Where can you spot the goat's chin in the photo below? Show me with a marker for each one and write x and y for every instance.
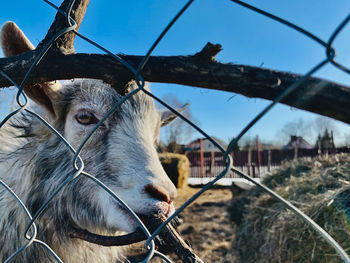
(118, 224)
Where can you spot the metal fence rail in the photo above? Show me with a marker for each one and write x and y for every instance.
(78, 163)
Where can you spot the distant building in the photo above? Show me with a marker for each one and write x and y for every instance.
(297, 142)
(325, 142)
(208, 146)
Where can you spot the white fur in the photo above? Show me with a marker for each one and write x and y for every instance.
(130, 155)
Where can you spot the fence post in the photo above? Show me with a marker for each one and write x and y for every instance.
(258, 153)
(249, 161)
(202, 157)
(233, 162)
(212, 163)
(295, 151)
(269, 160)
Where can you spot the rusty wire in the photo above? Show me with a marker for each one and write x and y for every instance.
(78, 164)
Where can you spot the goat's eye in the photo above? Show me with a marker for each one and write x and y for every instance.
(86, 118)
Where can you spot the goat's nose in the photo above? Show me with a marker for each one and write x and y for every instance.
(157, 193)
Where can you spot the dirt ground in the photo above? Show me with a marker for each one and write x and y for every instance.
(206, 225)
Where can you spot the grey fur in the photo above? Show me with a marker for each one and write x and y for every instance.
(34, 162)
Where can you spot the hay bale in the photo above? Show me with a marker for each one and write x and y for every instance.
(177, 167)
(268, 232)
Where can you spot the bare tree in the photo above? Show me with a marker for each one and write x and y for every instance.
(3, 98)
(298, 127)
(7, 102)
(347, 139)
(322, 123)
(247, 143)
(178, 131)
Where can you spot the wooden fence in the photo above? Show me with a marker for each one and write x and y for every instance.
(254, 163)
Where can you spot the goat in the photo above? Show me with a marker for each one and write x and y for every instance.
(34, 162)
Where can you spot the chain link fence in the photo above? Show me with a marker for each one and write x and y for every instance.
(31, 233)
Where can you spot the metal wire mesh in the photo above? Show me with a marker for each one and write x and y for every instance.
(78, 162)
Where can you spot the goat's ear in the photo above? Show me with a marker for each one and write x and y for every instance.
(14, 42)
(168, 116)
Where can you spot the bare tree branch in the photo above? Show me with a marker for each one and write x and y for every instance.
(316, 95)
(200, 70)
(180, 247)
(123, 240)
(168, 234)
(65, 43)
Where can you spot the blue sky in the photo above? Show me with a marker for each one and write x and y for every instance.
(130, 27)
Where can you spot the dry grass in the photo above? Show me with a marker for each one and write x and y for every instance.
(267, 232)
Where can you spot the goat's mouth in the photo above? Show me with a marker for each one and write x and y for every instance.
(137, 236)
(168, 234)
